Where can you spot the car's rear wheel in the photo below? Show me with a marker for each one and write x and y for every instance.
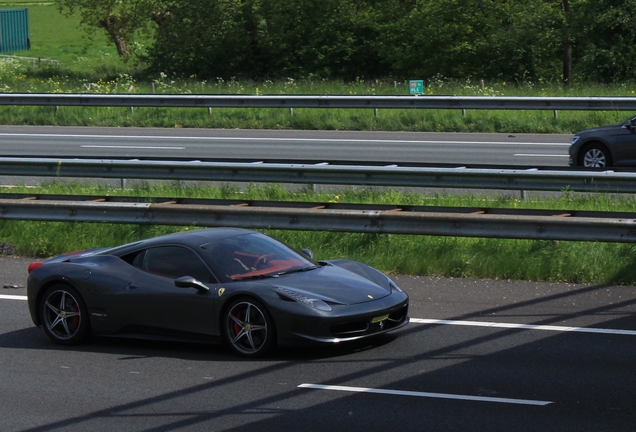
(63, 315)
(595, 156)
(249, 328)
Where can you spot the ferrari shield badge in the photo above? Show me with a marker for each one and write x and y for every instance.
(221, 291)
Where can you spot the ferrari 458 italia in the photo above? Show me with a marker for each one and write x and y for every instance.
(227, 285)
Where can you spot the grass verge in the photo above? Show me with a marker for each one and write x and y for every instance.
(556, 261)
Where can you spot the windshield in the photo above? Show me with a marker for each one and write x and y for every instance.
(252, 255)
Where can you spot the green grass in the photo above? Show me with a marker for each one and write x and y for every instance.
(316, 119)
(54, 36)
(556, 261)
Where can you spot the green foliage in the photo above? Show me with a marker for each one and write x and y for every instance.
(206, 39)
(505, 40)
(121, 20)
(606, 48)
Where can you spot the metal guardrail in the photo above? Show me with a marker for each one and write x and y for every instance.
(362, 218)
(325, 173)
(321, 101)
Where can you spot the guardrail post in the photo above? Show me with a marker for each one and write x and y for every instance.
(556, 114)
(375, 113)
(291, 111)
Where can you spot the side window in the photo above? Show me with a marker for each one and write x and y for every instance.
(172, 262)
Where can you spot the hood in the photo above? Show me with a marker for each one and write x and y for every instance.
(334, 285)
(600, 129)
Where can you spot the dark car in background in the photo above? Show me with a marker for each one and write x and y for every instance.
(605, 146)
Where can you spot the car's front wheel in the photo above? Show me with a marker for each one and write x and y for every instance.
(249, 328)
(595, 156)
(63, 315)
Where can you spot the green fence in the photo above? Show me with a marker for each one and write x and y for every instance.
(14, 30)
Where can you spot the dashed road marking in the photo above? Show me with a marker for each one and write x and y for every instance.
(12, 297)
(425, 394)
(524, 326)
(133, 147)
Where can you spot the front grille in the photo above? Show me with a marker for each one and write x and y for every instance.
(349, 329)
(366, 327)
(399, 316)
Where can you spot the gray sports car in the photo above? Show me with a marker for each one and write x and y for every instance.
(212, 285)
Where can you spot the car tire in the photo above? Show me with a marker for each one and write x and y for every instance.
(595, 156)
(64, 315)
(248, 327)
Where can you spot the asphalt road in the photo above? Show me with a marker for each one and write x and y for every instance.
(569, 368)
(395, 147)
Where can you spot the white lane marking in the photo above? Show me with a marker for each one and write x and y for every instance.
(12, 297)
(540, 155)
(133, 147)
(524, 326)
(425, 394)
(334, 140)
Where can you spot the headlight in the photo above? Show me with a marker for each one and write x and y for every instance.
(575, 138)
(393, 285)
(297, 297)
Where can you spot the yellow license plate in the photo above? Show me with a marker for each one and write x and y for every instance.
(380, 318)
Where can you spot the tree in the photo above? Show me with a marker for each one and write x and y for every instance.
(606, 46)
(518, 40)
(324, 38)
(513, 40)
(207, 39)
(121, 20)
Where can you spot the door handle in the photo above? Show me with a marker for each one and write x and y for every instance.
(131, 286)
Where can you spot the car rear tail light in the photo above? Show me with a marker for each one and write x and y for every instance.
(34, 265)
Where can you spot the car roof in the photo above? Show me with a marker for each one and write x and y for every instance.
(191, 238)
(197, 237)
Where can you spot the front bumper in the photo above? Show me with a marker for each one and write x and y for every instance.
(371, 332)
(298, 324)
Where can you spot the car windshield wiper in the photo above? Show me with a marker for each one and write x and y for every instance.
(296, 270)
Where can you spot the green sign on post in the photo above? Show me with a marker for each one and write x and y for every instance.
(416, 87)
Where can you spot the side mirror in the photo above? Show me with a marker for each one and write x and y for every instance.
(308, 252)
(631, 123)
(190, 282)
